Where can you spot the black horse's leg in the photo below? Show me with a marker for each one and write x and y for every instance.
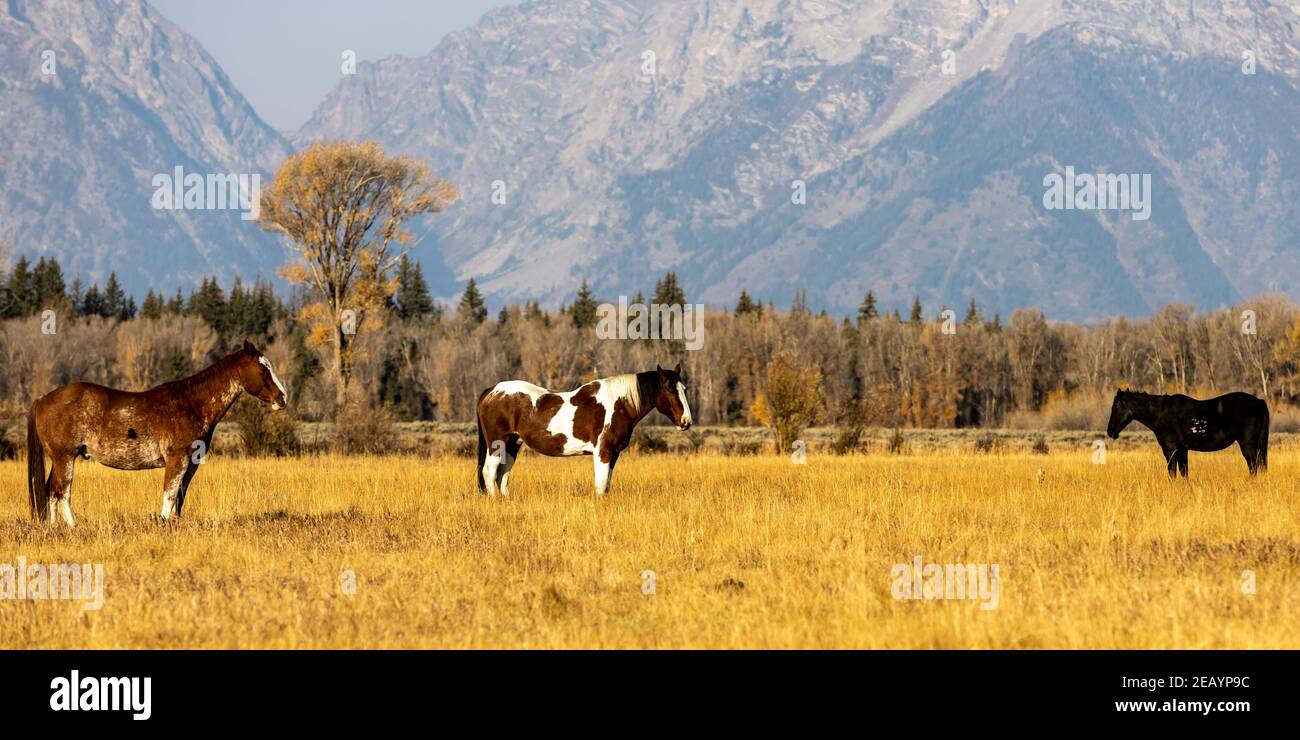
(1249, 451)
(1171, 457)
(1182, 461)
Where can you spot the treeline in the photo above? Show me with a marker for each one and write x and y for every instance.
(928, 368)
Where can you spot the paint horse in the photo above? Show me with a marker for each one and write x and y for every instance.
(595, 419)
(1182, 423)
(168, 427)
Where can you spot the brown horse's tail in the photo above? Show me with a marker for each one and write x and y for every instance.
(37, 492)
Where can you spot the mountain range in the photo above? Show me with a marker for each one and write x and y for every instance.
(826, 146)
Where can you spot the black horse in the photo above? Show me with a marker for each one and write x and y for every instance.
(1182, 423)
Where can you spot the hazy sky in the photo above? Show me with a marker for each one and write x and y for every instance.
(285, 55)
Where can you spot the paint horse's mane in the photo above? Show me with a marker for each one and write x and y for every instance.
(637, 388)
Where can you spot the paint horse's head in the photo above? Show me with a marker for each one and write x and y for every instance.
(1121, 413)
(258, 378)
(671, 397)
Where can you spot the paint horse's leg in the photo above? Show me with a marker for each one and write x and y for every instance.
(603, 459)
(511, 455)
(496, 452)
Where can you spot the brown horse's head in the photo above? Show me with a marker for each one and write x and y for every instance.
(259, 379)
(671, 398)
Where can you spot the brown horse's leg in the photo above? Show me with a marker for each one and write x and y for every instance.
(65, 491)
(186, 477)
(174, 473)
(57, 486)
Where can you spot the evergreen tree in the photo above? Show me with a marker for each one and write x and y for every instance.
(176, 306)
(152, 308)
(92, 303)
(48, 279)
(745, 304)
(472, 311)
(668, 292)
(916, 316)
(75, 294)
(972, 314)
(583, 310)
(114, 299)
(868, 311)
(21, 290)
(412, 301)
(209, 303)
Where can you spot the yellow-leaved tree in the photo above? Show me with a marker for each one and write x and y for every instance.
(342, 206)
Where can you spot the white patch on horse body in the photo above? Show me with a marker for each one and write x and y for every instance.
(275, 378)
(1200, 426)
(562, 424)
(508, 387)
(686, 407)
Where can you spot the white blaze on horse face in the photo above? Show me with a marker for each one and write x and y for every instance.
(686, 407)
(276, 379)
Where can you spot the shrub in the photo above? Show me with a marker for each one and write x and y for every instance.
(643, 441)
(897, 443)
(8, 448)
(791, 398)
(365, 429)
(1040, 445)
(266, 433)
(987, 443)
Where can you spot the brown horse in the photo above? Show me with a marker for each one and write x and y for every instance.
(595, 419)
(169, 427)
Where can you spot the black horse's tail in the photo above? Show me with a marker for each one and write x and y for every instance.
(1261, 443)
(482, 442)
(37, 492)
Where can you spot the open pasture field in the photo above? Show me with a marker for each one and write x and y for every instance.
(749, 551)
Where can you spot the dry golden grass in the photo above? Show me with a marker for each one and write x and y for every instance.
(747, 552)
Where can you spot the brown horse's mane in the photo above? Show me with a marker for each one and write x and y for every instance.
(207, 374)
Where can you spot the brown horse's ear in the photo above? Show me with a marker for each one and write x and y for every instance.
(249, 345)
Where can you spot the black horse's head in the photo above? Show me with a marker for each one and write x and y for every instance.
(1121, 413)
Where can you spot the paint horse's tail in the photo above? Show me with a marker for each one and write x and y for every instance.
(37, 492)
(482, 442)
